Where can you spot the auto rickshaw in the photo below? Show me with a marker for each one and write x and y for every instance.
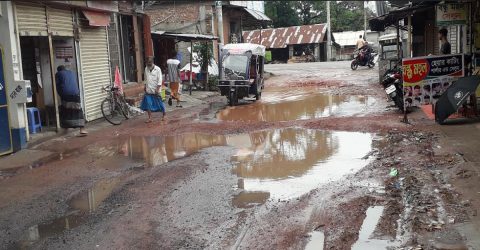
(241, 71)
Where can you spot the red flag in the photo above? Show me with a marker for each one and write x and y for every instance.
(118, 80)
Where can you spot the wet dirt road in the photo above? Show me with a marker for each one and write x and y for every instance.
(307, 167)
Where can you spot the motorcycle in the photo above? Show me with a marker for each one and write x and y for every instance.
(363, 57)
(393, 86)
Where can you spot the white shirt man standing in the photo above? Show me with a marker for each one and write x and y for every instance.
(152, 102)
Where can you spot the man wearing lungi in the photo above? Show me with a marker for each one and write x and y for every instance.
(152, 101)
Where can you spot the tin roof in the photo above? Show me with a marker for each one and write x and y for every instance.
(281, 37)
(241, 48)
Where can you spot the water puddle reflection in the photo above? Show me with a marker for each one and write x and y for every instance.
(80, 207)
(89, 200)
(365, 240)
(286, 105)
(155, 151)
(267, 161)
(250, 199)
(299, 159)
(317, 239)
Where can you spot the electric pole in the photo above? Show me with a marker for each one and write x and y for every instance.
(365, 20)
(329, 30)
(218, 9)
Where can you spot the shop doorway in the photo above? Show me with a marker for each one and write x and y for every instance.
(37, 67)
(128, 48)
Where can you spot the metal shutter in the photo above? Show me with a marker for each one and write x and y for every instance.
(60, 21)
(95, 68)
(31, 19)
(37, 20)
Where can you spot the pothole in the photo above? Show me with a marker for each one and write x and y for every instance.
(297, 104)
(366, 235)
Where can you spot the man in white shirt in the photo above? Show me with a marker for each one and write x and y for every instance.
(152, 102)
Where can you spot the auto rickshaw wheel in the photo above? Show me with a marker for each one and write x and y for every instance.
(258, 96)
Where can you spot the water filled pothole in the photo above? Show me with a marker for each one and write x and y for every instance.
(317, 239)
(365, 240)
(80, 207)
(268, 160)
(250, 199)
(299, 159)
(271, 164)
(297, 104)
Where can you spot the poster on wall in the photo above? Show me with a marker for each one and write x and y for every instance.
(451, 14)
(426, 78)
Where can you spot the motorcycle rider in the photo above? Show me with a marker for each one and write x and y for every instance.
(365, 53)
(360, 42)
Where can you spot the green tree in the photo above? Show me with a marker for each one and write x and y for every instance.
(345, 15)
(282, 13)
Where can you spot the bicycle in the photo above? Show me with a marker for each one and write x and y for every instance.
(114, 107)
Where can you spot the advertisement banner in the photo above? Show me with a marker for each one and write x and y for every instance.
(426, 78)
(451, 14)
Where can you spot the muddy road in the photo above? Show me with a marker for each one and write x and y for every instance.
(321, 162)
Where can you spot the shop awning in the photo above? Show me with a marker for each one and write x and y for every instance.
(184, 37)
(97, 19)
(251, 18)
(258, 15)
(392, 18)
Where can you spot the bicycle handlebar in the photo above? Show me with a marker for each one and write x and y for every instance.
(110, 88)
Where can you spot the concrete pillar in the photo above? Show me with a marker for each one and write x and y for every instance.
(290, 51)
(12, 62)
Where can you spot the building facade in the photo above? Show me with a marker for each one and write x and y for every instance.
(200, 17)
(37, 37)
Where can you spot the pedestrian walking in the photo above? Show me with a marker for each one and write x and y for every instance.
(152, 102)
(71, 113)
(173, 67)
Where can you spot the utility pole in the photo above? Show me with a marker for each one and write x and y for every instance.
(365, 20)
(329, 37)
(218, 9)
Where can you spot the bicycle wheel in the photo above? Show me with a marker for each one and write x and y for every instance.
(123, 107)
(111, 111)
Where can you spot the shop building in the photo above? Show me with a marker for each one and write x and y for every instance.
(200, 17)
(37, 37)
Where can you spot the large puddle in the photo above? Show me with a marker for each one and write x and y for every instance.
(297, 104)
(265, 161)
(271, 164)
